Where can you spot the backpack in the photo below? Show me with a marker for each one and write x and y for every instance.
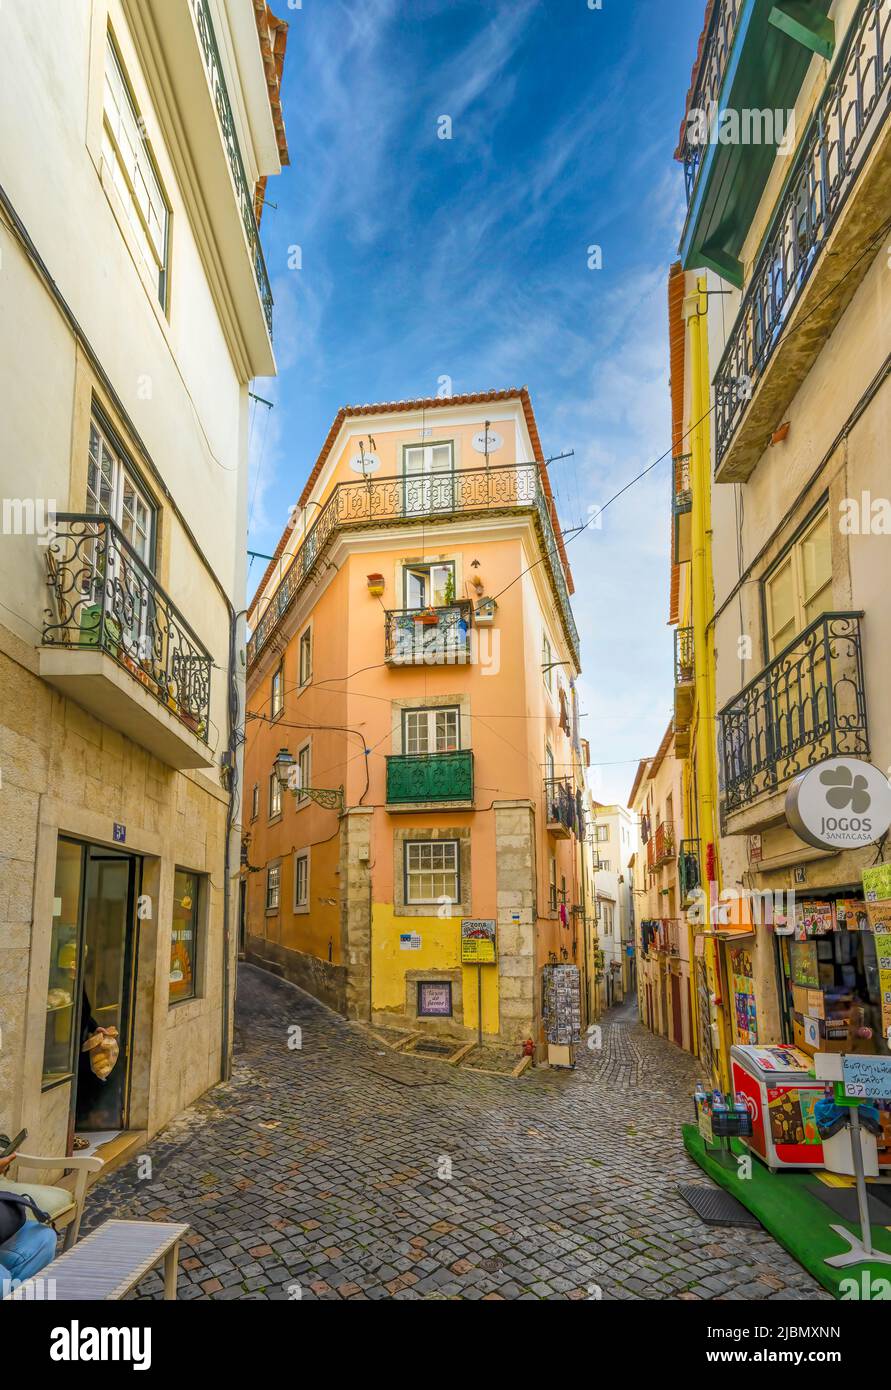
(14, 1207)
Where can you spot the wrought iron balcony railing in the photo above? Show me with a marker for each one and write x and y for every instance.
(419, 777)
(684, 664)
(429, 637)
(808, 704)
(391, 501)
(564, 810)
(664, 843)
(710, 80)
(838, 139)
(689, 873)
(104, 598)
(211, 55)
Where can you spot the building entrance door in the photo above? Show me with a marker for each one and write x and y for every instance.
(102, 965)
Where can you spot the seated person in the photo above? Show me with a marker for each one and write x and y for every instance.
(25, 1253)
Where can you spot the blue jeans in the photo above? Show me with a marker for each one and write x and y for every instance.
(27, 1252)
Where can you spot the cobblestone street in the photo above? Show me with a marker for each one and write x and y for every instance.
(323, 1173)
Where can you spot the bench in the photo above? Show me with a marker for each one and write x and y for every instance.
(109, 1262)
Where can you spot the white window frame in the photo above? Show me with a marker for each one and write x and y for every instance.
(277, 692)
(603, 834)
(432, 714)
(301, 856)
(132, 169)
(420, 493)
(547, 657)
(273, 887)
(304, 649)
(408, 870)
(122, 477)
(303, 766)
(255, 801)
(793, 563)
(275, 796)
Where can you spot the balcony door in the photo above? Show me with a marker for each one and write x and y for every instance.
(797, 592)
(122, 575)
(428, 484)
(429, 586)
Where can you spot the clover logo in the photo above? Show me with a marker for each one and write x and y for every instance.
(846, 790)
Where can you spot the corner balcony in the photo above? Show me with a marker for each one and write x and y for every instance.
(467, 493)
(822, 239)
(115, 643)
(808, 704)
(562, 812)
(430, 781)
(429, 636)
(754, 59)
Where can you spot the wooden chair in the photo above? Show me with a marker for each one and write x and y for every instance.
(65, 1205)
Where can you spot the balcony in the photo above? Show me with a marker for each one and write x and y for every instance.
(689, 870)
(116, 644)
(562, 810)
(390, 502)
(754, 60)
(682, 512)
(429, 637)
(684, 689)
(429, 780)
(816, 250)
(808, 704)
(661, 847)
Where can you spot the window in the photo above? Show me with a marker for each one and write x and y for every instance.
(602, 866)
(65, 952)
(547, 657)
(184, 938)
(301, 881)
(113, 491)
(800, 587)
(126, 152)
(304, 776)
(305, 672)
(273, 882)
(429, 586)
(603, 834)
(255, 801)
(549, 763)
(428, 484)
(275, 797)
(277, 695)
(552, 883)
(431, 730)
(431, 871)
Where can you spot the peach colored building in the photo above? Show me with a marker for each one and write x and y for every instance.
(413, 659)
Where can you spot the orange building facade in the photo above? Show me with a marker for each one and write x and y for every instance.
(412, 675)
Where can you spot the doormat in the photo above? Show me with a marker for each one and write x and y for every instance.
(716, 1208)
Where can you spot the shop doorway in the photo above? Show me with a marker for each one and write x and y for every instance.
(92, 983)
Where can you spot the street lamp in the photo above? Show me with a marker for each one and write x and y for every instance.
(282, 766)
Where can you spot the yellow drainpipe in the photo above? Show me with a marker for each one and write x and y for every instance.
(704, 723)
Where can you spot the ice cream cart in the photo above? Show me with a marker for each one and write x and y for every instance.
(780, 1094)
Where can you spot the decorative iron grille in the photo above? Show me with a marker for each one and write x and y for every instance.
(430, 777)
(808, 704)
(709, 81)
(104, 597)
(428, 637)
(211, 55)
(684, 662)
(391, 500)
(562, 805)
(689, 875)
(840, 134)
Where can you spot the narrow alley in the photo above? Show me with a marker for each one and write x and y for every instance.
(341, 1170)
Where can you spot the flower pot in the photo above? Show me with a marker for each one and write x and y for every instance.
(427, 619)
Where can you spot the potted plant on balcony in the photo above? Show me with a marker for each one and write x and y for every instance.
(427, 617)
(376, 584)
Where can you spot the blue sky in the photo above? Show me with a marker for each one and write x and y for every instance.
(467, 257)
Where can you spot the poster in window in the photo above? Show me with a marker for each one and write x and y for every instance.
(183, 937)
(743, 987)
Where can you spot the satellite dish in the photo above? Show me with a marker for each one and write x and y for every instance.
(487, 442)
(370, 464)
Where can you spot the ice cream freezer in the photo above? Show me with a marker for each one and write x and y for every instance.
(780, 1095)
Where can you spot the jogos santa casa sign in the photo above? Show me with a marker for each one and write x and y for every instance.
(843, 803)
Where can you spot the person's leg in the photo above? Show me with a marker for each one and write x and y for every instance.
(27, 1252)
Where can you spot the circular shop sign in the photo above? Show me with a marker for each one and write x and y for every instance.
(487, 442)
(844, 803)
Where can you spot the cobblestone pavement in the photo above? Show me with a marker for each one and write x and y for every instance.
(323, 1173)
